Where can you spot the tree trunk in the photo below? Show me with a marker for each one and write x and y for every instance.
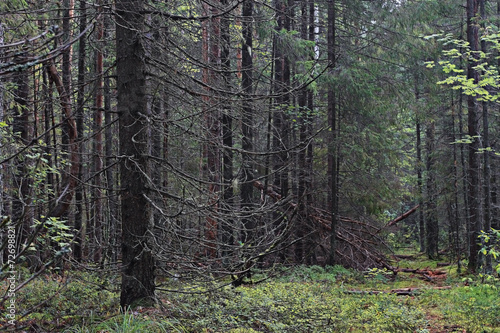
(212, 168)
(456, 214)
(302, 174)
(473, 170)
(420, 194)
(68, 137)
(281, 126)
(247, 121)
(77, 246)
(21, 130)
(332, 150)
(486, 154)
(431, 219)
(96, 229)
(227, 237)
(138, 272)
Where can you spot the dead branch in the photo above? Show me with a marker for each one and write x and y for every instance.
(401, 217)
(358, 241)
(64, 201)
(399, 292)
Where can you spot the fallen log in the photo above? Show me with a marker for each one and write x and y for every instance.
(443, 264)
(427, 274)
(400, 292)
(404, 256)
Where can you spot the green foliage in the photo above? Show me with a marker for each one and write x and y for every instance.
(131, 322)
(475, 308)
(53, 300)
(491, 246)
(54, 234)
(379, 275)
(302, 299)
(328, 274)
(480, 61)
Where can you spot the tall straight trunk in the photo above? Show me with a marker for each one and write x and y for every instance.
(421, 219)
(138, 272)
(112, 235)
(431, 220)
(212, 169)
(473, 170)
(486, 153)
(66, 85)
(66, 60)
(3, 212)
(48, 115)
(495, 214)
(281, 126)
(456, 215)
(418, 130)
(112, 227)
(227, 237)
(97, 226)
(302, 174)
(247, 121)
(21, 130)
(77, 246)
(332, 151)
(313, 32)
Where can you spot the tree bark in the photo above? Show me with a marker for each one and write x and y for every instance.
(473, 170)
(227, 237)
(332, 151)
(247, 121)
(138, 272)
(212, 167)
(77, 246)
(486, 154)
(20, 128)
(431, 219)
(418, 130)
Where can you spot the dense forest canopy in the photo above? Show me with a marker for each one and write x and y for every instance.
(172, 138)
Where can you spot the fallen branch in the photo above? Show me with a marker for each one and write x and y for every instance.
(399, 292)
(358, 241)
(428, 274)
(401, 217)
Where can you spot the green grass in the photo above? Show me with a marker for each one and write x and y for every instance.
(302, 299)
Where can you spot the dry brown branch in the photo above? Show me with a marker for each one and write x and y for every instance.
(401, 217)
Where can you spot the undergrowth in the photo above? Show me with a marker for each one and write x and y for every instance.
(299, 299)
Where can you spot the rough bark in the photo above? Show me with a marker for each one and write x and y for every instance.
(97, 240)
(473, 170)
(486, 154)
(247, 120)
(332, 151)
(212, 130)
(227, 237)
(138, 271)
(77, 246)
(431, 220)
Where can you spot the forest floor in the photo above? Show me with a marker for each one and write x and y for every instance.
(421, 297)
